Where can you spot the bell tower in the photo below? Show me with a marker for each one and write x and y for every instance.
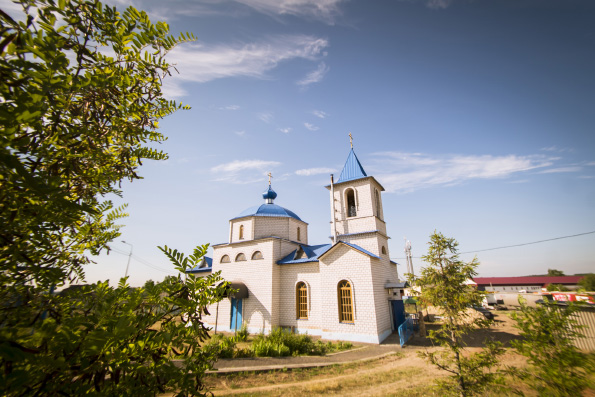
(356, 207)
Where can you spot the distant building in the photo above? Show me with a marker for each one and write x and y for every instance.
(347, 290)
(527, 284)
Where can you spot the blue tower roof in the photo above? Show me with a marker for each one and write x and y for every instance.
(352, 169)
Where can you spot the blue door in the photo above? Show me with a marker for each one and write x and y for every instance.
(236, 314)
(398, 309)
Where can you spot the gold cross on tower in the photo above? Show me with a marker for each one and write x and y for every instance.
(270, 176)
(351, 140)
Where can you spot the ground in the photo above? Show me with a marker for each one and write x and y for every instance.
(399, 372)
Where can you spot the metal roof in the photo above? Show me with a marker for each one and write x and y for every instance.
(206, 265)
(273, 210)
(312, 253)
(352, 169)
(538, 280)
(354, 246)
(400, 284)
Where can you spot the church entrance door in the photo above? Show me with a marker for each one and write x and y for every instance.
(236, 314)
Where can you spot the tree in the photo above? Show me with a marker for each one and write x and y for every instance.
(444, 285)
(80, 101)
(556, 287)
(587, 282)
(556, 366)
(80, 104)
(554, 273)
(118, 341)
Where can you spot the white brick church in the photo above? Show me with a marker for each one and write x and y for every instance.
(347, 290)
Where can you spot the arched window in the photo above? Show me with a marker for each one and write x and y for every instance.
(225, 259)
(377, 195)
(345, 297)
(350, 196)
(301, 301)
(298, 234)
(257, 255)
(240, 257)
(383, 250)
(241, 232)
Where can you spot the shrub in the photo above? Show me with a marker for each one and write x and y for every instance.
(267, 348)
(224, 345)
(242, 334)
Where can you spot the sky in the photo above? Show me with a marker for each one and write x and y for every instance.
(477, 117)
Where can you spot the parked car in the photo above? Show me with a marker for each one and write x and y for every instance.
(486, 313)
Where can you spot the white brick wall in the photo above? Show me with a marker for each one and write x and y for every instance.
(272, 287)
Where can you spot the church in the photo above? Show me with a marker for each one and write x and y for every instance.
(346, 290)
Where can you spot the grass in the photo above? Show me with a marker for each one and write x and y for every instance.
(254, 379)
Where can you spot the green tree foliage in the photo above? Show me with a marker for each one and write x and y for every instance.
(80, 101)
(587, 282)
(554, 272)
(556, 287)
(556, 366)
(116, 341)
(444, 286)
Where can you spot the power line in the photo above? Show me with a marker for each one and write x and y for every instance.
(149, 264)
(143, 261)
(516, 245)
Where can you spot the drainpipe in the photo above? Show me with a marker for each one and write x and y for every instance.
(333, 210)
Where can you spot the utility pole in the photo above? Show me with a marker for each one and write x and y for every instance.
(129, 256)
(408, 256)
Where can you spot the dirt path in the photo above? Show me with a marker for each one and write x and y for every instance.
(408, 362)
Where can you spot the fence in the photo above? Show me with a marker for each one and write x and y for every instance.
(406, 331)
(585, 316)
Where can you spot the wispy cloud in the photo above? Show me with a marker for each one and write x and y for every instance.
(266, 117)
(319, 114)
(201, 63)
(285, 130)
(561, 169)
(243, 171)
(326, 11)
(407, 172)
(240, 133)
(314, 77)
(556, 149)
(438, 4)
(229, 107)
(323, 10)
(314, 171)
(311, 127)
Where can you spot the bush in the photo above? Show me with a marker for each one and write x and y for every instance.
(281, 343)
(242, 334)
(224, 346)
(267, 348)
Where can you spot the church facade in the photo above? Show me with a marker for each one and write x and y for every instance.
(348, 289)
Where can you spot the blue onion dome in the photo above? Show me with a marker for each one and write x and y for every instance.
(268, 208)
(269, 195)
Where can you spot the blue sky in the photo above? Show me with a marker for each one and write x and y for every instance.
(476, 116)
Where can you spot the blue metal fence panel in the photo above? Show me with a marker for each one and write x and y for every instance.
(406, 331)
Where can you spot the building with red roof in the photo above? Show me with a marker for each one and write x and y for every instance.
(528, 284)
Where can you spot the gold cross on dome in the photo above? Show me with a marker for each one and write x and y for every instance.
(270, 176)
(351, 140)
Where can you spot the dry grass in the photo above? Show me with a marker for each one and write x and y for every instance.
(402, 374)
